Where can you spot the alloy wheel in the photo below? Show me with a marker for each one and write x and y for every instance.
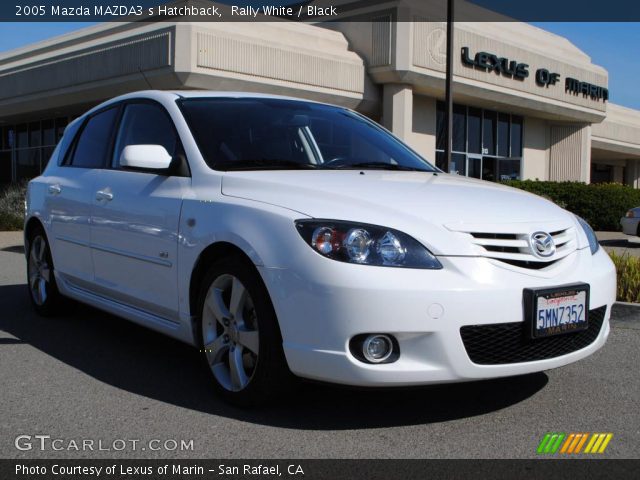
(230, 333)
(39, 271)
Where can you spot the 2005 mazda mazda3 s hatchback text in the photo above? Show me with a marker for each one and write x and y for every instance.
(282, 236)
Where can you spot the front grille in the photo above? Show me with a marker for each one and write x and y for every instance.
(514, 248)
(527, 264)
(502, 343)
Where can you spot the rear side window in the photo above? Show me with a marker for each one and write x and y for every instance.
(94, 143)
(66, 142)
(145, 124)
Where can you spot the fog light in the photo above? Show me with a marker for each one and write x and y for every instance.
(377, 348)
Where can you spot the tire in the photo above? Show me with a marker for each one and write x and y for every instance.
(238, 335)
(41, 281)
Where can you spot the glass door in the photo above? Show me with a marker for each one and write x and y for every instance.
(474, 168)
(458, 164)
(490, 169)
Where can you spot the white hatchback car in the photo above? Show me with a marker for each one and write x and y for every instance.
(285, 236)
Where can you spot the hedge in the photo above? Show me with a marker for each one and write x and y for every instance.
(12, 206)
(600, 204)
(628, 272)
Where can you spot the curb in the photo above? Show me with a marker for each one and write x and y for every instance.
(626, 313)
(628, 304)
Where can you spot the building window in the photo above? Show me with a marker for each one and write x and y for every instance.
(489, 133)
(27, 163)
(26, 148)
(48, 132)
(5, 167)
(474, 126)
(486, 144)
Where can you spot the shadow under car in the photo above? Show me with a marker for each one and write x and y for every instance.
(132, 358)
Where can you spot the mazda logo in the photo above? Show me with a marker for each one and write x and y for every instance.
(542, 244)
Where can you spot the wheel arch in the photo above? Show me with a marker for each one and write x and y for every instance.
(31, 225)
(210, 254)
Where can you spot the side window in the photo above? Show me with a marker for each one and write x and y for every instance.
(66, 142)
(145, 124)
(93, 145)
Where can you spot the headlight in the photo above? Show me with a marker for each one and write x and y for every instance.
(591, 236)
(365, 244)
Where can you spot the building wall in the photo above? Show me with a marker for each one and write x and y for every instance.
(390, 71)
(632, 177)
(569, 153)
(535, 156)
(423, 133)
(616, 142)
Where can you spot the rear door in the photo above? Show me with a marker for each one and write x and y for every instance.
(136, 216)
(70, 197)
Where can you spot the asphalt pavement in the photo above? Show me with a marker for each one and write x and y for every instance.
(619, 243)
(91, 376)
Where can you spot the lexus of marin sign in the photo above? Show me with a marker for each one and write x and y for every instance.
(490, 62)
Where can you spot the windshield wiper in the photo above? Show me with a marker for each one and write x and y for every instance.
(264, 164)
(377, 166)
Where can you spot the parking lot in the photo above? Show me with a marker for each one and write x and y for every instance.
(89, 375)
(619, 243)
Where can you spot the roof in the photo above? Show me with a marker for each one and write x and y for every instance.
(158, 94)
(176, 94)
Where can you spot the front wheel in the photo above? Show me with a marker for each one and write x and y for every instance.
(239, 335)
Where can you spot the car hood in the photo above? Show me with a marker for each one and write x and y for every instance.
(431, 207)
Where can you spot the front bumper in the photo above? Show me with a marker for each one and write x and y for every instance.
(324, 303)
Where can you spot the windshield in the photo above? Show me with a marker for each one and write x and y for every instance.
(279, 134)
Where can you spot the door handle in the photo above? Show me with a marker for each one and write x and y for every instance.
(55, 189)
(102, 195)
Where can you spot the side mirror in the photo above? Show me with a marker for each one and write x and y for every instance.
(145, 157)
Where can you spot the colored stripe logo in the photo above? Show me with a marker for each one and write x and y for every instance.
(574, 443)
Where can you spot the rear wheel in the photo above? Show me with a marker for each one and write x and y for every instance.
(239, 334)
(43, 291)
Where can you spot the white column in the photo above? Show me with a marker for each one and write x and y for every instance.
(585, 171)
(397, 109)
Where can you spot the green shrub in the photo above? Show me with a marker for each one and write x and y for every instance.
(628, 273)
(600, 204)
(12, 206)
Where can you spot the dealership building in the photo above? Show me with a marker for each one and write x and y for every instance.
(528, 103)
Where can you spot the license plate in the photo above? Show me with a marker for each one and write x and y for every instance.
(556, 311)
